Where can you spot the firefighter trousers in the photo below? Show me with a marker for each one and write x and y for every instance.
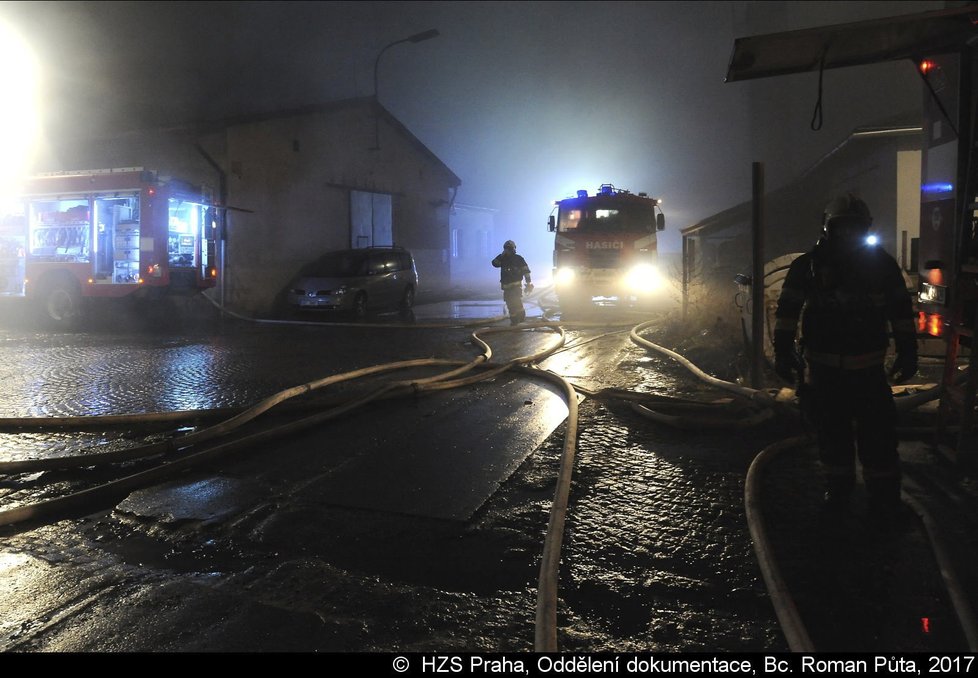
(513, 296)
(854, 414)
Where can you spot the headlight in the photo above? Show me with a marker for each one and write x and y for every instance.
(643, 278)
(564, 276)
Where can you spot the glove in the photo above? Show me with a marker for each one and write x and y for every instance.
(904, 367)
(529, 288)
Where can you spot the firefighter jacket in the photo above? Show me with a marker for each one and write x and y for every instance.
(845, 300)
(513, 269)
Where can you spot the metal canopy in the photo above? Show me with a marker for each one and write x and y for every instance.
(853, 44)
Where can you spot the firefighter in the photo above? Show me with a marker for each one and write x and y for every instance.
(849, 290)
(512, 270)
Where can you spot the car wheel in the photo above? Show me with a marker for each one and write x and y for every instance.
(360, 306)
(407, 301)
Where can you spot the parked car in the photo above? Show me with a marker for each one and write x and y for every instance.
(356, 281)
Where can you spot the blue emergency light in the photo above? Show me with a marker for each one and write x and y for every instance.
(582, 193)
(937, 187)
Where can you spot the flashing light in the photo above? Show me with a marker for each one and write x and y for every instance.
(643, 278)
(91, 281)
(212, 272)
(872, 240)
(935, 325)
(607, 189)
(921, 322)
(582, 193)
(926, 66)
(937, 187)
(935, 276)
(151, 191)
(564, 276)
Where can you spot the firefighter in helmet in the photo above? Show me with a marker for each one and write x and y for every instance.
(512, 270)
(849, 291)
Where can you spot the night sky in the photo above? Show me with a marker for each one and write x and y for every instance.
(526, 102)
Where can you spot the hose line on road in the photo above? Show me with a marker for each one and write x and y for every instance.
(784, 605)
(545, 635)
(952, 581)
(547, 593)
(785, 608)
(54, 508)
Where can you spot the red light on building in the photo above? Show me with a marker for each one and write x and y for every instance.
(925, 624)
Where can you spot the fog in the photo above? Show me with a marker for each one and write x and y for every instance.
(526, 102)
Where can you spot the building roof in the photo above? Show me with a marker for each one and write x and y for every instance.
(367, 103)
(743, 212)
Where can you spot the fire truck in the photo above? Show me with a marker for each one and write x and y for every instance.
(127, 232)
(605, 246)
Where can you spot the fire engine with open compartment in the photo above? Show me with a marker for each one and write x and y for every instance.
(122, 232)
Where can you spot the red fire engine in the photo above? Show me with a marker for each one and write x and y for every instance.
(104, 233)
(605, 245)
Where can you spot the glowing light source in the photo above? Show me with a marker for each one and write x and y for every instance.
(926, 66)
(937, 187)
(643, 278)
(935, 325)
(19, 75)
(564, 276)
(871, 239)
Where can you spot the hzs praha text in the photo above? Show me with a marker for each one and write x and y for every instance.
(650, 664)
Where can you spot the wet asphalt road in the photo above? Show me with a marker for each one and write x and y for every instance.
(297, 544)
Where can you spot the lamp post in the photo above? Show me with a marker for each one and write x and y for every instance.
(417, 37)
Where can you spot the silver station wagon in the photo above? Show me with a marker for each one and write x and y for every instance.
(356, 281)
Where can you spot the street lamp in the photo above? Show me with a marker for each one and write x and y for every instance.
(417, 37)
